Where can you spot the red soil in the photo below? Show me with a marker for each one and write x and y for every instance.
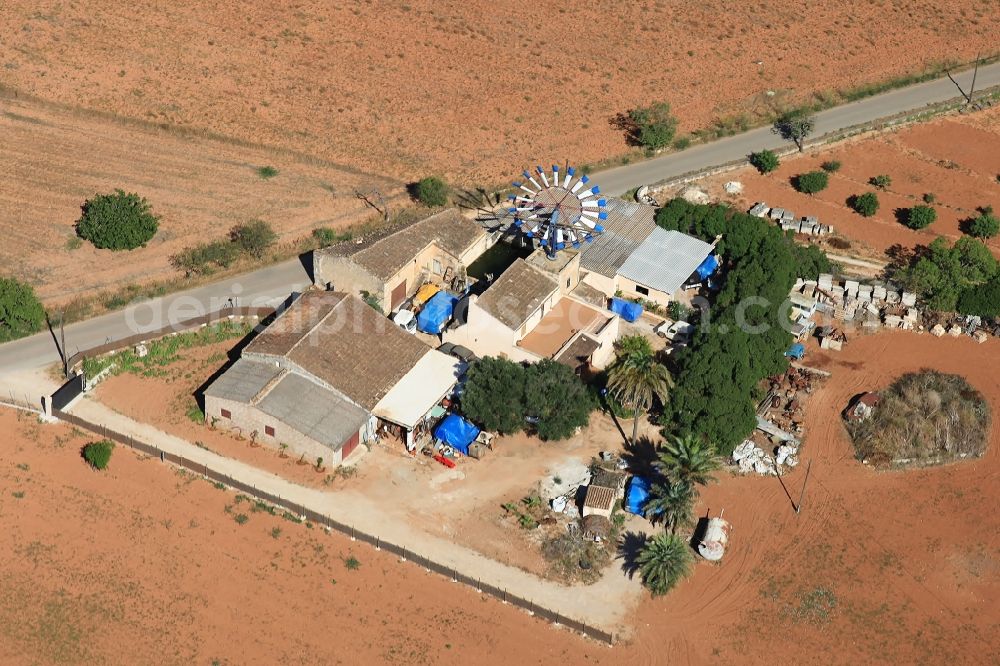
(150, 558)
(474, 90)
(957, 159)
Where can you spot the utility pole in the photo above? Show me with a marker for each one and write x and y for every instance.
(62, 338)
(802, 494)
(975, 72)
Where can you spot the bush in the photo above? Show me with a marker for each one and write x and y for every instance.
(830, 166)
(21, 312)
(920, 217)
(98, 454)
(985, 225)
(682, 142)
(982, 300)
(864, 204)
(253, 237)
(266, 172)
(924, 416)
(653, 126)
(204, 259)
(327, 236)
(764, 161)
(812, 182)
(119, 221)
(882, 181)
(431, 191)
(929, 197)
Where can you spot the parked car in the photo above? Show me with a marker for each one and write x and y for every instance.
(458, 351)
(406, 320)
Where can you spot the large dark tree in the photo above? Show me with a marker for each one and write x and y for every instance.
(494, 395)
(652, 126)
(557, 398)
(118, 221)
(21, 312)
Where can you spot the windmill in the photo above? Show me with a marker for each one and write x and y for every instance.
(556, 209)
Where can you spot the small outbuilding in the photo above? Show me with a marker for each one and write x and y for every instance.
(595, 527)
(599, 501)
(862, 407)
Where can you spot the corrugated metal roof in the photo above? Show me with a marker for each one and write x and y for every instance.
(627, 226)
(313, 410)
(420, 389)
(242, 381)
(665, 260)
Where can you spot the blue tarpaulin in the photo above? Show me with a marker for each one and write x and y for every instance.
(796, 351)
(627, 310)
(637, 496)
(436, 313)
(708, 266)
(457, 432)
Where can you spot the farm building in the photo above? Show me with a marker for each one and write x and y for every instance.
(312, 380)
(436, 249)
(599, 501)
(862, 407)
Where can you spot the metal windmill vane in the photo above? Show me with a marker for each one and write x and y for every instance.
(558, 208)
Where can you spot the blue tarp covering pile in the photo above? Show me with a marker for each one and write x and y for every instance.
(796, 351)
(436, 313)
(708, 266)
(637, 496)
(627, 310)
(457, 432)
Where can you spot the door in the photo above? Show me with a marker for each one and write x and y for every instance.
(349, 447)
(398, 295)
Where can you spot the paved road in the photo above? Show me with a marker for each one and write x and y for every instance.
(622, 179)
(273, 284)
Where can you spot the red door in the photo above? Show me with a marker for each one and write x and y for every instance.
(398, 295)
(349, 447)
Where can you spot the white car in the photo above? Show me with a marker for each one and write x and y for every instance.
(406, 320)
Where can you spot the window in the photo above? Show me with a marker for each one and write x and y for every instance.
(567, 282)
(226, 414)
(437, 267)
(269, 431)
(639, 289)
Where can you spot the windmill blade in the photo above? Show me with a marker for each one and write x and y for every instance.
(541, 173)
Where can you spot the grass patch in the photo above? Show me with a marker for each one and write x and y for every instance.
(814, 607)
(352, 563)
(241, 518)
(267, 172)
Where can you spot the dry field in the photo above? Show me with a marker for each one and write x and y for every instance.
(955, 158)
(880, 567)
(200, 186)
(474, 90)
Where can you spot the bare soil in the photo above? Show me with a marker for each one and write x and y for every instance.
(955, 158)
(471, 90)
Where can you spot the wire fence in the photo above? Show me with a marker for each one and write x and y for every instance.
(347, 530)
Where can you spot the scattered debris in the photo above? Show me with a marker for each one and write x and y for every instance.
(694, 195)
(733, 187)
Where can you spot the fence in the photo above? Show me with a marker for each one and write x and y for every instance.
(186, 325)
(348, 530)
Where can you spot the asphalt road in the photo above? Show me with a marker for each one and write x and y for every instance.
(271, 285)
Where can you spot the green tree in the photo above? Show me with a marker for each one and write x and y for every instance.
(557, 398)
(672, 504)
(688, 460)
(919, 217)
(810, 261)
(118, 221)
(494, 395)
(941, 273)
(881, 181)
(981, 300)
(795, 127)
(653, 126)
(812, 182)
(253, 238)
(865, 204)
(98, 454)
(636, 378)
(663, 561)
(830, 166)
(986, 224)
(764, 161)
(431, 191)
(21, 312)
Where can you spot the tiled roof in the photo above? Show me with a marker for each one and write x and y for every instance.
(449, 229)
(599, 497)
(516, 294)
(343, 342)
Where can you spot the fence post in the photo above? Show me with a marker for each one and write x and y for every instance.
(161, 455)
(378, 543)
(402, 557)
(504, 598)
(353, 538)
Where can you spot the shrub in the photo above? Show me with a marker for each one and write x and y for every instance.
(21, 312)
(254, 237)
(830, 166)
(352, 563)
(653, 126)
(929, 197)
(119, 221)
(98, 454)
(865, 204)
(882, 181)
(327, 236)
(682, 142)
(266, 172)
(812, 182)
(986, 224)
(920, 217)
(764, 161)
(981, 300)
(204, 259)
(431, 191)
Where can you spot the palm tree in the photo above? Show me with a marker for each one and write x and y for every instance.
(663, 561)
(688, 459)
(672, 503)
(635, 379)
